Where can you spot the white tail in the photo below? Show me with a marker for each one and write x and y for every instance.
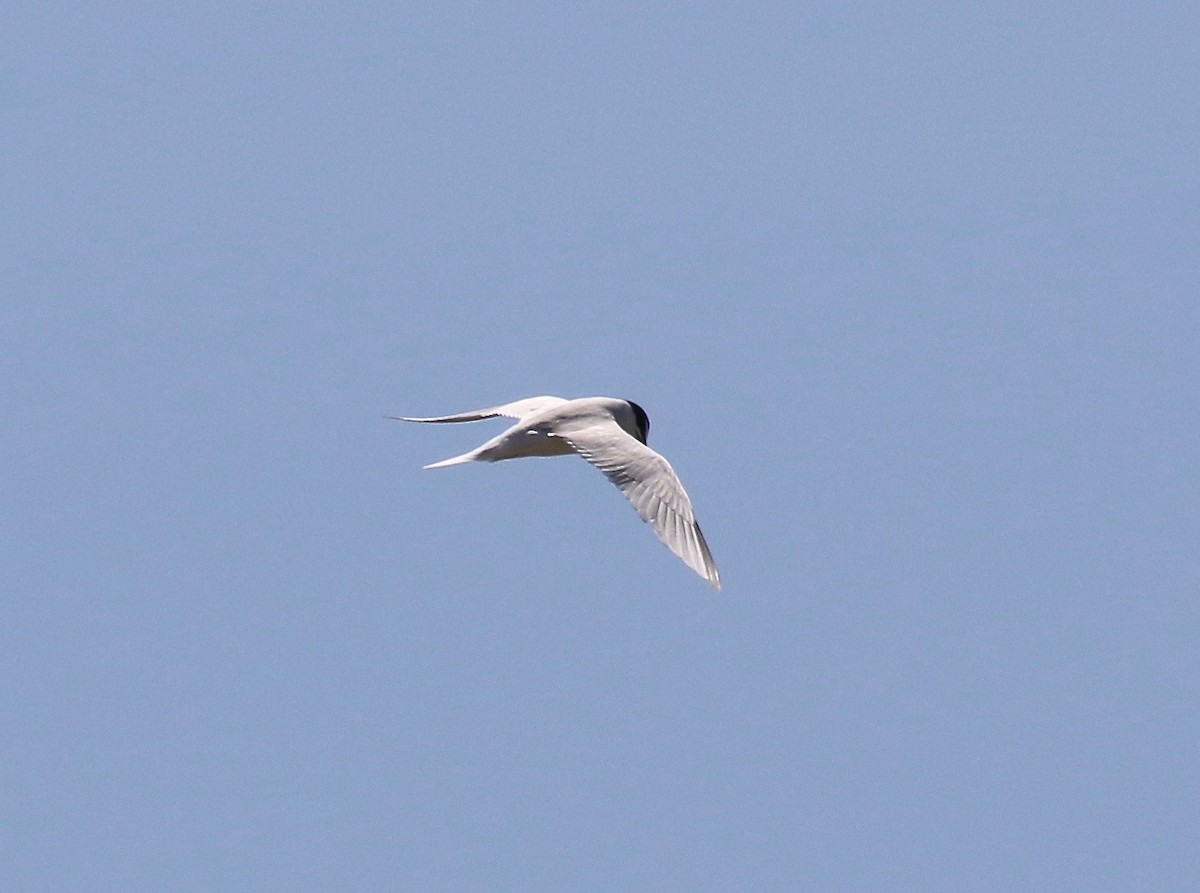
(457, 460)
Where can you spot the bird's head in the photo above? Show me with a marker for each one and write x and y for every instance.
(641, 422)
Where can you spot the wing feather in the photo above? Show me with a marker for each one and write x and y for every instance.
(652, 488)
(518, 409)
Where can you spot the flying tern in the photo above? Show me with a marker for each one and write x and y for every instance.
(611, 435)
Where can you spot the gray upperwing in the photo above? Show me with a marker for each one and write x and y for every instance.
(518, 409)
(652, 488)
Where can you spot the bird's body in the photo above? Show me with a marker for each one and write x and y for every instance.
(611, 435)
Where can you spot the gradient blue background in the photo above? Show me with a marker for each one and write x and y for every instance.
(911, 293)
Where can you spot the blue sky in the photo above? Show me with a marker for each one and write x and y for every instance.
(909, 292)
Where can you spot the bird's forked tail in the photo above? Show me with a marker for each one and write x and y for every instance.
(457, 460)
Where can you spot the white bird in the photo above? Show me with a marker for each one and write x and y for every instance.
(611, 435)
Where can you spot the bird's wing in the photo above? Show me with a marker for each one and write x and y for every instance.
(518, 409)
(650, 485)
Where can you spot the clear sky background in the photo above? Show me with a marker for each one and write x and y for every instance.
(911, 293)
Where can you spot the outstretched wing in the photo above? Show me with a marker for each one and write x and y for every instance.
(651, 486)
(518, 409)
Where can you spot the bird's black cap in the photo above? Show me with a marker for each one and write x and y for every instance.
(643, 420)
